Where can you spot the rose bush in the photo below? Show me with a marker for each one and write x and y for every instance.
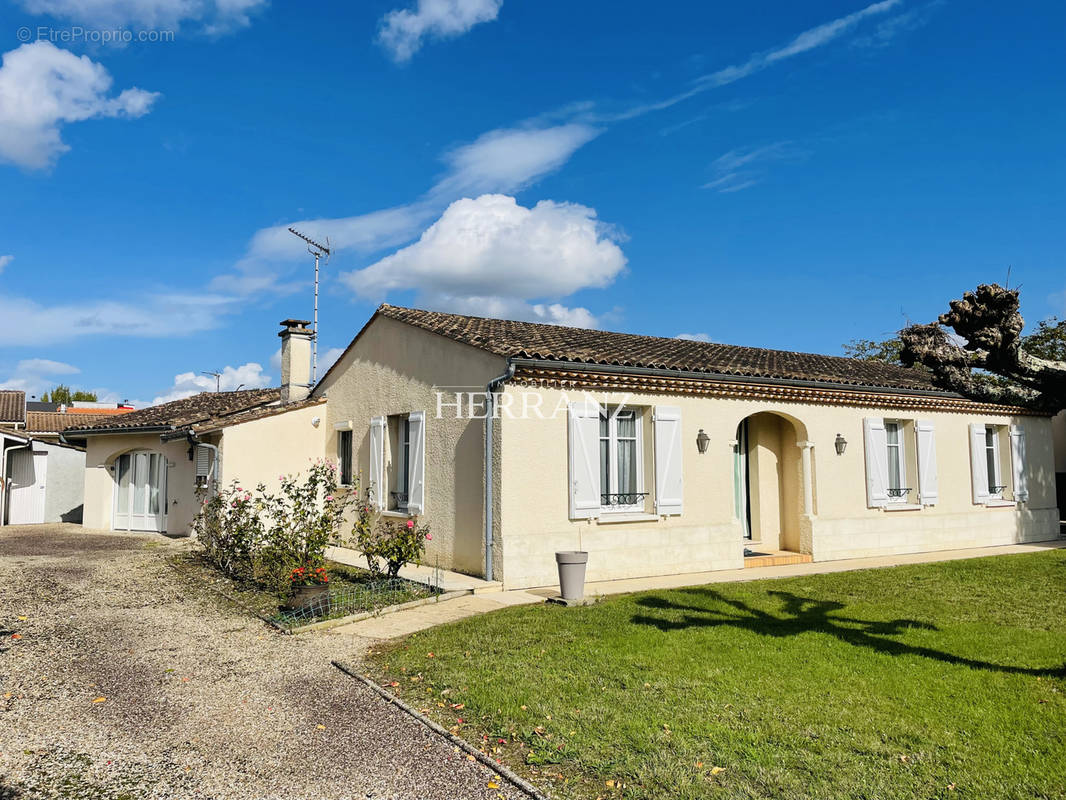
(395, 542)
(262, 537)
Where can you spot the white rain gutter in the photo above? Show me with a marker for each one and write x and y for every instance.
(490, 405)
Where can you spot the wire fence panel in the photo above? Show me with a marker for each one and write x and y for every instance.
(345, 601)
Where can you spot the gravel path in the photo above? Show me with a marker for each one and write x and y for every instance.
(199, 701)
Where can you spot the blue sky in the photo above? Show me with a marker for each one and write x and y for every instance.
(776, 174)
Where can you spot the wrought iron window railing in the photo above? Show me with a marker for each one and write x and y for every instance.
(622, 498)
(897, 491)
(399, 499)
(996, 489)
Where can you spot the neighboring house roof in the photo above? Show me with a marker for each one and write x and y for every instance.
(531, 340)
(98, 412)
(12, 405)
(200, 409)
(57, 421)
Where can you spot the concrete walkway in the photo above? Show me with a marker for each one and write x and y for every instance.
(490, 598)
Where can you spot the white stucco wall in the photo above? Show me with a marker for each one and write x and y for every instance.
(395, 368)
(65, 488)
(259, 451)
(708, 536)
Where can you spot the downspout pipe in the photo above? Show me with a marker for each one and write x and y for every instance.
(490, 415)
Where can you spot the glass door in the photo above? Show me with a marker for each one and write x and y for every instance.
(140, 492)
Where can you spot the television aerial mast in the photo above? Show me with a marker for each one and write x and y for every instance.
(216, 375)
(317, 250)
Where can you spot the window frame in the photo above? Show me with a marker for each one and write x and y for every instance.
(344, 457)
(402, 454)
(611, 413)
(994, 475)
(899, 446)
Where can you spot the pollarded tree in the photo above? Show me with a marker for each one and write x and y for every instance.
(989, 344)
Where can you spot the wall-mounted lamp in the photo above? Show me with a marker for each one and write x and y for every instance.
(702, 440)
(316, 421)
(840, 443)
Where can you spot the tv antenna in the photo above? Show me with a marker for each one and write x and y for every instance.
(317, 250)
(216, 375)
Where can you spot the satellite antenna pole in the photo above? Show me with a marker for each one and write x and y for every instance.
(216, 375)
(317, 250)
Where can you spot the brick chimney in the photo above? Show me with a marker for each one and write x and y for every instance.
(295, 359)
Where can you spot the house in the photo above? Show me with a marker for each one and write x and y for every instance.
(514, 440)
(41, 478)
(146, 470)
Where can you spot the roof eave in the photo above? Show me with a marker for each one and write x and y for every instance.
(111, 431)
(720, 377)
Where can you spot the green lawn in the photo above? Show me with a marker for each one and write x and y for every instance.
(938, 680)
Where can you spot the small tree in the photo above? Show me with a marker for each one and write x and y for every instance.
(62, 395)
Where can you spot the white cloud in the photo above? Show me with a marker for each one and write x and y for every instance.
(37, 375)
(327, 359)
(694, 337)
(162, 315)
(217, 16)
(491, 248)
(186, 384)
(403, 31)
(42, 87)
(502, 160)
(4, 261)
(729, 168)
(889, 29)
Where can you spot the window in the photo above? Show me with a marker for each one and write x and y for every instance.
(897, 462)
(992, 468)
(344, 456)
(400, 437)
(621, 460)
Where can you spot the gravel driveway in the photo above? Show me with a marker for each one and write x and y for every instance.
(119, 681)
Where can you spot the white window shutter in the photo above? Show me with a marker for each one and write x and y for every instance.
(669, 477)
(584, 430)
(927, 479)
(1017, 455)
(978, 465)
(416, 480)
(876, 442)
(377, 462)
(203, 461)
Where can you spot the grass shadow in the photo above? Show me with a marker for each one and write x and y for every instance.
(798, 615)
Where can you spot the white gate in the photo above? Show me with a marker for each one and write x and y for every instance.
(140, 492)
(26, 489)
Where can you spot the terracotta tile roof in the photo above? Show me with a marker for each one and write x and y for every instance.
(513, 339)
(252, 414)
(12, 405)
(55, 421)
(200, 408)
(98, 412)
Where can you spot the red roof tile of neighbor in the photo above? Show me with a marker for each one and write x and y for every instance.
(513, 339)
(12, 405)
(98, 412)
(200, 408)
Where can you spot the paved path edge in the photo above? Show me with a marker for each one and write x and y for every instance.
(498, 769)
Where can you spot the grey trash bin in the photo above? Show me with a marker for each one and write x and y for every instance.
(571, 565)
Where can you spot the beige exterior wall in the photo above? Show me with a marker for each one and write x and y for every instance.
(100, 455)
(259, 451)
(708, 534)
(394, 368)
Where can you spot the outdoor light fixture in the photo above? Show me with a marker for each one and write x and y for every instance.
(840, 444)
(702, 440)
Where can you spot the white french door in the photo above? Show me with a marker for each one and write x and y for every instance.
(141, 492)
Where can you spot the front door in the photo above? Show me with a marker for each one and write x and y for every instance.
(141, 492)
(741, 480)
(27, 487)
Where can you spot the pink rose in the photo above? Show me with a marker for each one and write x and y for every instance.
(329, 498)
(410, 524)
(429, 535)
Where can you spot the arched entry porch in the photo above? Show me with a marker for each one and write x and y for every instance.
(773, 480)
